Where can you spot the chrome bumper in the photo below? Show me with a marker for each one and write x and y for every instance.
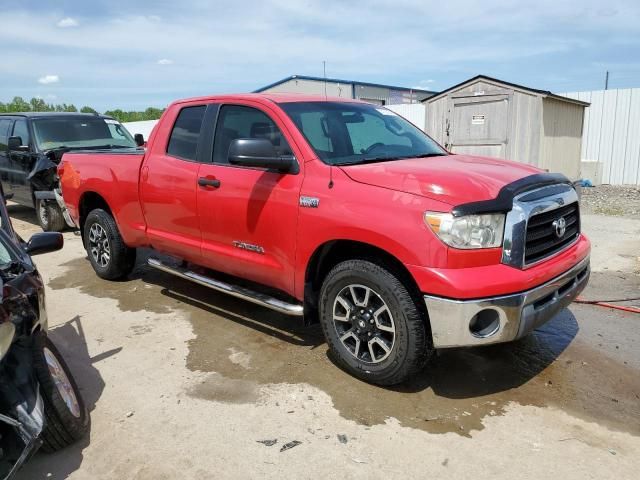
(514, 315)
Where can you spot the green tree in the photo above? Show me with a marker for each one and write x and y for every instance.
(37, 105)
(18, 104)
(150, 113)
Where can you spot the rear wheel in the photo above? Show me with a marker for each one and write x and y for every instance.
(372, 324)
(50, 216)
(66, 416)
(110, 257)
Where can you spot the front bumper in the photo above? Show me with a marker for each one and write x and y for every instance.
(56, 196)
(503, 318)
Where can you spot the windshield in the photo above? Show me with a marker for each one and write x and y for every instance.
(7, 256)
(81, 132)
(350, 133)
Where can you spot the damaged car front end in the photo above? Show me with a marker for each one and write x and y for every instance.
(40, 405)
(35, 143)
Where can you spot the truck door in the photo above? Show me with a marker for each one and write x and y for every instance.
(5, 171)
(248, 216)
(21, 164)
(168, 185)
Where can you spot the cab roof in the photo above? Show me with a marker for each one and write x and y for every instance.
(270, 97)
(52, 114)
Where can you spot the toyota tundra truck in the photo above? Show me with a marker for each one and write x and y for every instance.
(339, 212)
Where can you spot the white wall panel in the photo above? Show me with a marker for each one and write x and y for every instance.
(611, 133)
(416, 113)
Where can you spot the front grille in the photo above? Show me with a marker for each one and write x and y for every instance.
(542, 239)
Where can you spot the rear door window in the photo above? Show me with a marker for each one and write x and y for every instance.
(183, 142)
(236, 121)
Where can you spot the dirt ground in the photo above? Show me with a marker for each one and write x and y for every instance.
(186, 383)
(617, 200)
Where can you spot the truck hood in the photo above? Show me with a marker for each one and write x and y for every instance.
(453, 179)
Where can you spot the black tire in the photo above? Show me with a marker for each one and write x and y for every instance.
(121, 259)
(49, 216)
(63, 425)
(411, 346)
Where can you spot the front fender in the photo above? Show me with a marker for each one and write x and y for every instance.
(386, 219)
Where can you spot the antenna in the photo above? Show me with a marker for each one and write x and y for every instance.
(324, 73)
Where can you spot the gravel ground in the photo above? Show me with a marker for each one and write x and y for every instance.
(617, 200)
(186, 383)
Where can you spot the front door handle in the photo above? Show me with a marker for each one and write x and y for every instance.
(208, 182)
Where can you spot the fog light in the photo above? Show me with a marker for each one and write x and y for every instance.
(484, 323)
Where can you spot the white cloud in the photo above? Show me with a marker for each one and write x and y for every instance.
(425, 40)
(67, 22)
(424, 84)
(47, 79)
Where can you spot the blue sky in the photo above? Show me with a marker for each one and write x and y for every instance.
(130, 55)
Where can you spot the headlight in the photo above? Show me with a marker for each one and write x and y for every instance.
(470, 231)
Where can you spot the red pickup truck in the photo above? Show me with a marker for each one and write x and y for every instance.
(340, 212)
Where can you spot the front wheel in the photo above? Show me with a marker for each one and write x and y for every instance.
(66, 416)
(50, 216)
(372, 324)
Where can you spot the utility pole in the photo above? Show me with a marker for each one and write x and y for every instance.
(606, 81)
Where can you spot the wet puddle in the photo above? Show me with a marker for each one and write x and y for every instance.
(244, 347)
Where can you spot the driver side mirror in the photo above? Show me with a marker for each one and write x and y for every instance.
(139, 139)
(260, 153)
(15, 145)
(44, 242)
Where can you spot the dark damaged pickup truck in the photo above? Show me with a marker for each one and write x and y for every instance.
(31, 145)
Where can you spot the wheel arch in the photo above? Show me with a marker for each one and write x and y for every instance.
(330, 253)
(90, 201)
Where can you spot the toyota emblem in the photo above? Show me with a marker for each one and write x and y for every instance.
(560, 226)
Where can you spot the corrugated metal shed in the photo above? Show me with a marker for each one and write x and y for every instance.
(333, 87)
(611, 140)
(486, 116)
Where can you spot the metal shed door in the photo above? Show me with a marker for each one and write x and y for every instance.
(479, 126)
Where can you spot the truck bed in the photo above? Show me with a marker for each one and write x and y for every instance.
(114, 173)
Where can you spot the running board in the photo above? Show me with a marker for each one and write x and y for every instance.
(237, 291)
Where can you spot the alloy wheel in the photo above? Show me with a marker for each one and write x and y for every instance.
(364, 323)
(43, 213)
(99, 245)
(62, 383)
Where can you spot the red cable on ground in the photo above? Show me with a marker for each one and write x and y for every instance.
(624, 308)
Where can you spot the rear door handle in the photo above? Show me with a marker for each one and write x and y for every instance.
(208, 182)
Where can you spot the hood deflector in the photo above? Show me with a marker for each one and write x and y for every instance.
(504, 201)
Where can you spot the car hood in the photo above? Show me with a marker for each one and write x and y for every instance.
(453, 179)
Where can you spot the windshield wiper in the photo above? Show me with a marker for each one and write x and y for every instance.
(98, 147)
(369, 160)
(427, 155)
(55, 149)
(387, 159)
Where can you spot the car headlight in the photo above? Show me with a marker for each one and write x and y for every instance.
(469, 231)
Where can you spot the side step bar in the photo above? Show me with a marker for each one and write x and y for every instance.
(244, 293)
